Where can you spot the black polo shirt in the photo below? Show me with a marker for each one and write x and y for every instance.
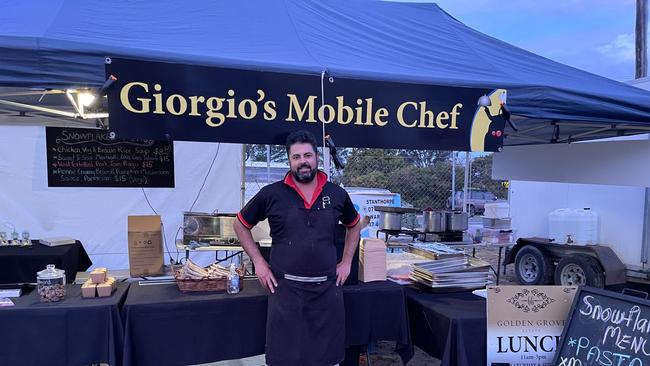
(273, 201)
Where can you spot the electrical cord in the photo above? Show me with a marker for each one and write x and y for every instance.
(214, 158)
(162, 225)
(206, 176)
(216, 154)
(175, 239)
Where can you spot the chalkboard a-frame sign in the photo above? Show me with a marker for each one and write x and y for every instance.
(84, 157)
(605, 328)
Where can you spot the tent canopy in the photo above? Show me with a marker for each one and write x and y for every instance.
(62, 44)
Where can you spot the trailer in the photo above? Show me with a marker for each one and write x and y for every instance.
(610, 177)
(540, 261)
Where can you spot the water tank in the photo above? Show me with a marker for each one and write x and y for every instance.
(580, 225)
(558, 224)
(587, 228)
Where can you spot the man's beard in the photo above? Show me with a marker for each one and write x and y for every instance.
(305, 177)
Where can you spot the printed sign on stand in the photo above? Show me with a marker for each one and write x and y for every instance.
(524, 323)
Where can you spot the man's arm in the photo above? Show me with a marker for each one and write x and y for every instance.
(262, 269)
(351, 241)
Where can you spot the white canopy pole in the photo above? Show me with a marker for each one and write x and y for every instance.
(466, 182)
(326, 151)
(453, 180)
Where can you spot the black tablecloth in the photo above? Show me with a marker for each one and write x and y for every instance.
(72, 332)
(166, 327)
(449, 326)
(376, 311)
(20, 264)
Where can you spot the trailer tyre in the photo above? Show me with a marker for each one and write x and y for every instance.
(533, 267)
(579, 270)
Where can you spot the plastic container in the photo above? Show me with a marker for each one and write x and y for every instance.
(497, 210)
(577, 227)
(51, 284)
(587, 227)
(498, 236)
(558, 224)
(233, 280)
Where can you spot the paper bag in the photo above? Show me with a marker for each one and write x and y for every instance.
(145, 246)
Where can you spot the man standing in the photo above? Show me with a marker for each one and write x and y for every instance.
(306, 317)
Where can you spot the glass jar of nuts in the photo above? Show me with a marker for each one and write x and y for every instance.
(51, 284)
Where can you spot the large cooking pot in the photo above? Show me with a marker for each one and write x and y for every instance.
(434, 221)
(457, 221)
(390, 218)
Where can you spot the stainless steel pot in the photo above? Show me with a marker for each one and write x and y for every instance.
(434, 221)
(457, 221)
(390, 220)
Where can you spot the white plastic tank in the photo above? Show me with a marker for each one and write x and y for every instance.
(558, 225)
(587, 227)
(580, 226)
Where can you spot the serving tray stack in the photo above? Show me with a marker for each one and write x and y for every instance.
(452, 274)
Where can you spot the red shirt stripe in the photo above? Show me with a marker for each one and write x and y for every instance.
(321, 179)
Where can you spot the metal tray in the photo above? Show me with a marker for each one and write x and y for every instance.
(451, 287)
(444, 252)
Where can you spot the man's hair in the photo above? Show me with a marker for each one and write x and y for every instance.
(301, 136)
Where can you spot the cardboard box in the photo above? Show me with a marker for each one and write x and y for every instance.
(88, 289)
(372, 260)
(98, 275)
(145, 246)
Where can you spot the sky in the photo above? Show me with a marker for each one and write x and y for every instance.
(592, 35)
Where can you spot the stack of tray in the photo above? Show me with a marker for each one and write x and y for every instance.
(435, 250)
(452, 274)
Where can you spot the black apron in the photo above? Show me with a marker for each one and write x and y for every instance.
(306, 321)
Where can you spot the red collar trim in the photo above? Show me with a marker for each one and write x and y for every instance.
(321, 179)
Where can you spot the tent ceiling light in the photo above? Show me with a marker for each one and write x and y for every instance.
(86, 99)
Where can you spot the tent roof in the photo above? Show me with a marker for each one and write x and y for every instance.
(62, 44)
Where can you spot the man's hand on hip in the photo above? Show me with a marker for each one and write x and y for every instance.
(265, 275)
(342, 272)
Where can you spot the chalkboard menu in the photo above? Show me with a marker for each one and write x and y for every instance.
(605, 328)
(81, 157)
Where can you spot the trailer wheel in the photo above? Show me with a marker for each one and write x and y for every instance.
(533, 267)
(579, 270)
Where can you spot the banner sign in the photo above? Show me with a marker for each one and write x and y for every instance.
(606, 328)
(85, 157)
(159, 101)
(524, 323)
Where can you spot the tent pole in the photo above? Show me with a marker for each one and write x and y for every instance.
(242, 191)
(641, 71)
(453, 180)
(466, 182)
(268, 164)
(326, 151)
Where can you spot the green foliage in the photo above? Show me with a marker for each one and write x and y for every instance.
(482, 177)
(422, 177)
(259, 153)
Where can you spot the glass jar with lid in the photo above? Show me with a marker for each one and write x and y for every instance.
(51, 284)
